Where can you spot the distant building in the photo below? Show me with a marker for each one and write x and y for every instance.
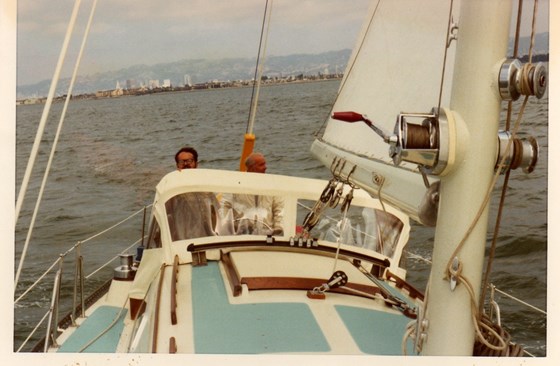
(152, 84)
(130, 84)
(187, 80)
(166, 83)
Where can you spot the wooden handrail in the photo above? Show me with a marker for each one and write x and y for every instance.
(174, 274)
(157, 306)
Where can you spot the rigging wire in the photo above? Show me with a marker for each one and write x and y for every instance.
(46, 110)
(447, 39)
(55, 143)
(249, 138)
(71, 249)
(259, 67)
(501, 204)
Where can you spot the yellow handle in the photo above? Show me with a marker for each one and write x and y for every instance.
(248, 145)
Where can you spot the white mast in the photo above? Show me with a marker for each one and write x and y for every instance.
(481, 46)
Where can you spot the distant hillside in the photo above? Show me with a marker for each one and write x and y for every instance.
(203, 70)
(199, 70)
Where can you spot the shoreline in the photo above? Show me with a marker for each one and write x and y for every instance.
(119, 93)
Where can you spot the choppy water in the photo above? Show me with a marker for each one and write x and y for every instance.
(113, 152)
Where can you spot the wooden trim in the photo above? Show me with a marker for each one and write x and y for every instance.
(284, 283)
(284, 245)
(137, 308)
(231, 273)
(173, 291)
(299, 283)
(172, 345)
(199, 258)
(156, 310)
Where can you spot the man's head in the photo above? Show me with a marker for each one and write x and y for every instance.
(256, 163)
(186, 158)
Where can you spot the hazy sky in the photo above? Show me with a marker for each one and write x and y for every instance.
(129, 32)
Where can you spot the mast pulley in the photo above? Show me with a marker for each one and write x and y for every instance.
(524, 153)
(518, 79)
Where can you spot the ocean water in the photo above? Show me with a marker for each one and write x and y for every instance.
(112, 153)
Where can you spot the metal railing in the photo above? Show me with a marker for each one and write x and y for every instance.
(78, 293)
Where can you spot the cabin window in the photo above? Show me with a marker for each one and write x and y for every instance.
(192, 215)
(365, 227)
(200, 214)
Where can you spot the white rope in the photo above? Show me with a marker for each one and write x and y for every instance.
(43, 121)
(34, 330)
(38, 280)
(73, 248)
(54, 145)
(520, 301)
(108, 328)
(112, 259)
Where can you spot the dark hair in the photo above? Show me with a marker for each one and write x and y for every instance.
(189, 150)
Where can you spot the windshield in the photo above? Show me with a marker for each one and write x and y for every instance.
(364, 227)
(200, 214)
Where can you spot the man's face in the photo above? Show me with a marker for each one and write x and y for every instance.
(185, 160)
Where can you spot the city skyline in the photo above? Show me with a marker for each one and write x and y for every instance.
(128, 32)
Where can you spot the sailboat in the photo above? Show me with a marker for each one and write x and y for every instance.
(413, 134)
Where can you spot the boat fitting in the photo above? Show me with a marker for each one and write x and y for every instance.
(516, 79)
(125, 271)
(523, 153)
(426, 143)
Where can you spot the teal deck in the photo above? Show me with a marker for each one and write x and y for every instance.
(376, 332)
(221, 327)
(94, 325)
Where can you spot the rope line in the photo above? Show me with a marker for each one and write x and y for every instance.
(525, 85)
(48, 103)
(259, 67)
(447, 39)
(39, 136)
(112, 259)
(490, 188)
(72, 249)
(478, 321)
(34, 330)
(108, 328)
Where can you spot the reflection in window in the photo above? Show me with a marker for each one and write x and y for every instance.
(200, 214)
(363, 227)
(253, 214)
(192, 215)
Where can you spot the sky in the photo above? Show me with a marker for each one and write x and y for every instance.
(130, 32)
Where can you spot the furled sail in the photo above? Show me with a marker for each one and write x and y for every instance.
(396, 67)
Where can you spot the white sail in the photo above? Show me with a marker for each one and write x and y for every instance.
(396, 67)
